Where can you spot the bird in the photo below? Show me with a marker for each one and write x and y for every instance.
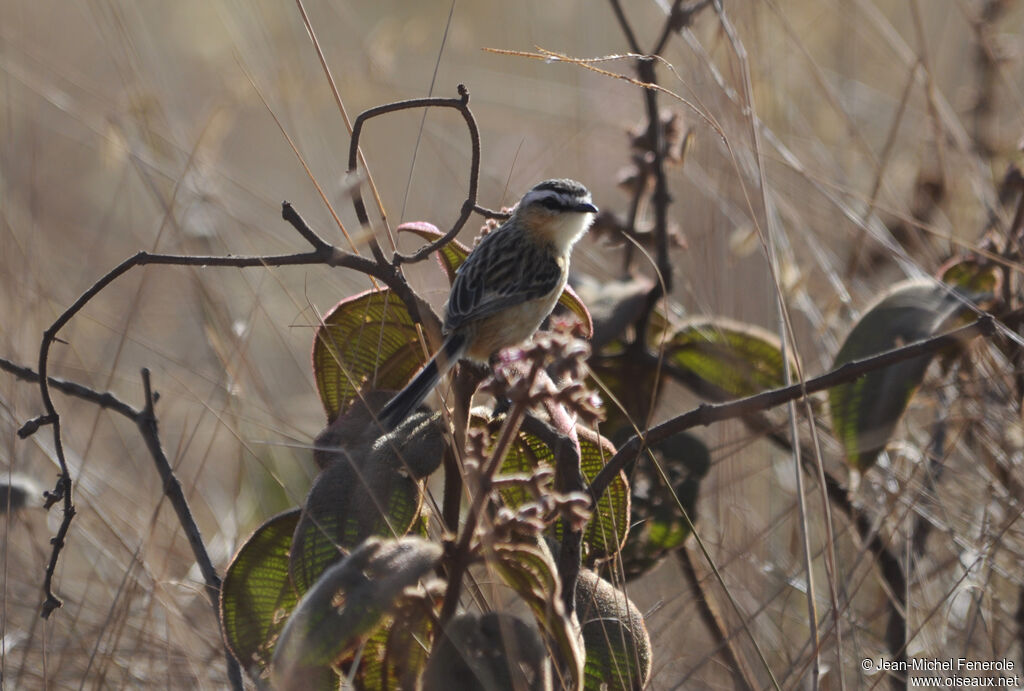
(506, 287)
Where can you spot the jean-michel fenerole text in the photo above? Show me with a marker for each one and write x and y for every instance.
(932, 664)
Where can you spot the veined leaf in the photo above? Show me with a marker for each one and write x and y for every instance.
(369, 487)
(865, 412)
(395, 655)
(726, 359)
(345, 605)
(367, 341)
(606, 532)
(450, 256)
(530, 571)
(256, 596)
(658, 527)
(571, 301)
(617, 644)
(488, 652)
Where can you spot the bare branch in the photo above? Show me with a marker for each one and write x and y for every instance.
(707, 413)
(568, 478)
(461, 104)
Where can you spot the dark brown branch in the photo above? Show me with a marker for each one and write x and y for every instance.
(654, 139)
(146, 423)
(465, 382)
(145, 420)
(661, 197)
(678, 18)
(634, 45)
(323, 254)
(419, 309)
(289, 214)
(490, 213)
(461, 104)
(461, 554)
(568, 478)
(707, 413)
(104, 399)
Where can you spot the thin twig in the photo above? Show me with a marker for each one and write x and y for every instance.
(348, 124)
(145, 420)
(461, 554)
(707, 413)
(743, 677)
(323, 253)
(104, 399)
(461, 104)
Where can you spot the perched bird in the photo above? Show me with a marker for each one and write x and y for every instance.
(507, 286)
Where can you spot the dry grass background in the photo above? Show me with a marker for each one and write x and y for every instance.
(127, 126)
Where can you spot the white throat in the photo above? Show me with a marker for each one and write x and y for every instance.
(567, 228)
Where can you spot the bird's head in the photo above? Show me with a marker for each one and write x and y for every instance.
(559, 210)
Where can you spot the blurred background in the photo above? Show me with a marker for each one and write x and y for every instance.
(884, 131)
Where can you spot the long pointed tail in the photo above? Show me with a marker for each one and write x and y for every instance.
(408, 399)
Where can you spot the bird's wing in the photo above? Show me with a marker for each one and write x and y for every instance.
(504, 270)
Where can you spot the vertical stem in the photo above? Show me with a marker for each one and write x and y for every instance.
(569, 478)
(461, 555)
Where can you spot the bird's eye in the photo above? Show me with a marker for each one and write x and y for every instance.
(553, 203)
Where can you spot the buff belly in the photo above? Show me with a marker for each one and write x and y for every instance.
(509, 327)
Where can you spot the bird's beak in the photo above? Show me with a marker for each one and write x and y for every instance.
(586, 208)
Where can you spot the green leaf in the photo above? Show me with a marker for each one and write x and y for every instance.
(658, 526)
(489, 652)
(367, 341)
(395, 655)
(981, 280)
(630, 382)
(346, 604)
(450, 256)
(616, 640)
(724, 359)
(530, 571)
(606, 532)
(454, 253)
(256, 596)
(865, 412)
(369, 486)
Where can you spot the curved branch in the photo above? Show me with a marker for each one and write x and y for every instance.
(707, 413)
(145, 420)
(323, 253)
(460, 104)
